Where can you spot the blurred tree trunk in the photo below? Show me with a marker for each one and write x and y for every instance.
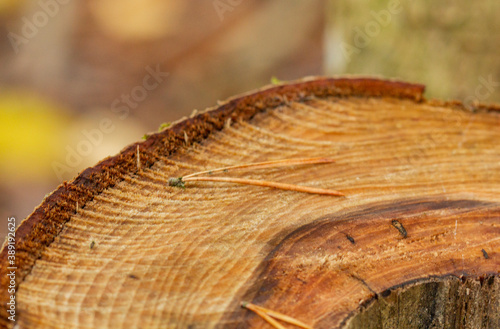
(452, 47)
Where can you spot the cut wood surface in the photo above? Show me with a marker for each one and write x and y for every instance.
(415, 242)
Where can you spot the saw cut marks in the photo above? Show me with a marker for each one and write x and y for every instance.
(165, 257)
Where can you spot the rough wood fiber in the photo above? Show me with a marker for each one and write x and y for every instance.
(422, 181)
(450, 303)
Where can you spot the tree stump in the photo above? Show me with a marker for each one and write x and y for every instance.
(415, 243)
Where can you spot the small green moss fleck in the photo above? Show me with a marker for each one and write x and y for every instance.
(176, 182)
(276, 81)
(145, 136)
(164, 125)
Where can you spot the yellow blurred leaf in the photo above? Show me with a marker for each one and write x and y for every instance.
(32, 132)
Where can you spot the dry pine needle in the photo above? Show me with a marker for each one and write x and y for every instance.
(268, 315)
(180, 181)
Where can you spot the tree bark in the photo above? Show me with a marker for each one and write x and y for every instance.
(414, 244)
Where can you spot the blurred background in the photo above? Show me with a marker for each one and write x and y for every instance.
(79, 80)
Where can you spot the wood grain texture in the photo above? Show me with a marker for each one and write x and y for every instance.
(422, 180)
